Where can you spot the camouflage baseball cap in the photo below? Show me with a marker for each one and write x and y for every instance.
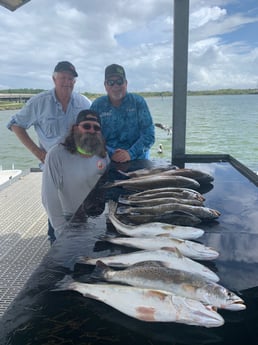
(114, 70)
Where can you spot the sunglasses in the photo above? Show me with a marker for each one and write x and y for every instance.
(90, 126)
(111, 82)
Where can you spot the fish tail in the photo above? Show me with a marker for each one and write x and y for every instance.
(123, 173)
(123, 210)
(124, 200)
(112, 205)
(100, 270)
(65, 284)
(108, 185)
(82, 259)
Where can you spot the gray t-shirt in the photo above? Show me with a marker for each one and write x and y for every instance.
(67, 181)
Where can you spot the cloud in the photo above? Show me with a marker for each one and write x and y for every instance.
(138, 35)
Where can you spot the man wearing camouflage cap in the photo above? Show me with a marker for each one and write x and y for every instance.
(126, 121)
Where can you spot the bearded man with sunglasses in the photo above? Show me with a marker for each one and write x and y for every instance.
(127, 125)
(72, 169)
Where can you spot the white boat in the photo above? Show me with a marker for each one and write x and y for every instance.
(8, 175)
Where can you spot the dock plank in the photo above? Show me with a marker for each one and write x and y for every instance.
(23, 234)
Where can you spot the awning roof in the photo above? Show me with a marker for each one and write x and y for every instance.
(12, 5)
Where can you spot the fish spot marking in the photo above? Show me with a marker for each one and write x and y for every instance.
(145, 313)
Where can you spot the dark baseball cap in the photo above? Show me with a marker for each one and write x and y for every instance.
(87, 115)
(66, 66)
(114, 70)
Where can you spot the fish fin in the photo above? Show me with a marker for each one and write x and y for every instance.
(82, 259)
(174, 250)
(178, 253)
(65, 284)
(100, 270)
(101, 264)
(163, 234)
(105, 238)
(108, 185)
(71, 262)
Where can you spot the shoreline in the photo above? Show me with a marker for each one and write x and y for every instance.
(11, 106)
(219, 92)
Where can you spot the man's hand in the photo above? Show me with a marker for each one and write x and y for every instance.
(120, 156)
(39, 153)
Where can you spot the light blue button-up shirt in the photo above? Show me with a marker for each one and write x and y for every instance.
(44, 112)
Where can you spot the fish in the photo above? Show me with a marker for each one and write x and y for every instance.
(199, 211)
(198, 175)
(169, 257)
(188, 248)
(169, 191)
(148, 305)
(153, 228)
(175, 218)
(158, 201)
(154, 181)
(144, 172)
(152, 275)
(166, 193)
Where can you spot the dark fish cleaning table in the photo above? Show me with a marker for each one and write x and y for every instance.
(39, 316)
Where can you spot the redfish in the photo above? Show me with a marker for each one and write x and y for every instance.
(147, 304)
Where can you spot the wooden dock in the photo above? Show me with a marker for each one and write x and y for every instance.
(23, 234)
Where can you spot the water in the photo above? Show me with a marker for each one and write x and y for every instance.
(215, 124)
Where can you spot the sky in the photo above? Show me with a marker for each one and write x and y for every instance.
(223, 43)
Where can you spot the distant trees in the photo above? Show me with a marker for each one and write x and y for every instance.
(29, 91)
(224, 92)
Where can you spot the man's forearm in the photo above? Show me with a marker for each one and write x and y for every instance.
(23, 136)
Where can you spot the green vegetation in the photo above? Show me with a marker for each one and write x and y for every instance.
(224, 92)
(10, 105)
(27, 91)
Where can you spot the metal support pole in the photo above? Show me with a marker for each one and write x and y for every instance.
(181, 25)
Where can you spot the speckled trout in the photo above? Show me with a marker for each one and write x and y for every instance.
(169, 257)
(153, 228)
(147, 304)
(154, 181)
(174, 218)
(198, 175)
(158, 201)
(188, 248)
(198, 211)
(185, 193)
(152, 275)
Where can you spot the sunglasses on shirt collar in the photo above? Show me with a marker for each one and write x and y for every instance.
(111, 82)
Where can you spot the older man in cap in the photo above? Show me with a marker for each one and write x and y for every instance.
(73, 169)
(51, 113)
(127, 124)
